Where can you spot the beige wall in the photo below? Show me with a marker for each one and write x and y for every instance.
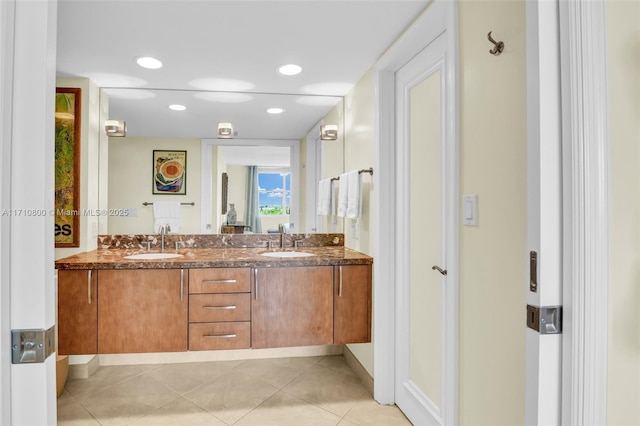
(354, 150)
(333, 156)
(493, 165)
(89, 164)
(237, 189)
(493, 146)
(302, 167)
(130, 183)
(359, 124)
(623, 399)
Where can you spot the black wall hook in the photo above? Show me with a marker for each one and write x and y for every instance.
(498, 45)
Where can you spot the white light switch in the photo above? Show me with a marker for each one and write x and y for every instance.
(470, 209)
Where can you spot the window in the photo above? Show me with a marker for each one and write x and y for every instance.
(274, 192)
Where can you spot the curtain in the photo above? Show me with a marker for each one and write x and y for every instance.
(252, 211)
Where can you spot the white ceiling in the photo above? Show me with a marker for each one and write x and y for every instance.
(232, 47)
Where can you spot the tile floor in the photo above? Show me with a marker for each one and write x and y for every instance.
(319, 390)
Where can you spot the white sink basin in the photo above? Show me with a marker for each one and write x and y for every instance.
(153, 256)
(287, 254)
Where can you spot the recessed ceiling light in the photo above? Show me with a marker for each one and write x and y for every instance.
(177, 107)
(149, 62)
(290, 69)
(275, 110)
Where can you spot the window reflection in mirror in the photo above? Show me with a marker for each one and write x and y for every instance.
(149, 128)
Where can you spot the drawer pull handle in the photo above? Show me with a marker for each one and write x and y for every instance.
(181, 285)
(219, 307)
(220, 281)
(89, 286)
(219, 336)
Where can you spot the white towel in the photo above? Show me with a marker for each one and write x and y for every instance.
(325, 197)
(343, 195)
(354, 197)
(166, 213)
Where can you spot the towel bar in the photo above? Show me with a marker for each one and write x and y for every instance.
(184, 204)
(361, 171)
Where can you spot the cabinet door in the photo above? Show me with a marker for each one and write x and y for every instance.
(292, 306)
(142, 311)
(77, 312)
(352, 304)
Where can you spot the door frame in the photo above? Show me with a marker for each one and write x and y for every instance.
(586, 232)
(27, 116)
(568, 83)
(7, 10)
(439, 17)
(313, 167)
(581, 26)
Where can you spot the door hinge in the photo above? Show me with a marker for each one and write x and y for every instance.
(545, 319)
(32, 346)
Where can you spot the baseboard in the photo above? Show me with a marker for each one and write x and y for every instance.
(223, 355)
(82, 366)
(357, 368)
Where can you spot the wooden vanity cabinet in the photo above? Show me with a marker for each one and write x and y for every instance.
(142, 310)
(174, 310)
(77, 312)
(352, 304)
(292, 306)
(219, 308)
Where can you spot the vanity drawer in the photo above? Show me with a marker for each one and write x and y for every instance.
(219, 335)
(220, 280)
(219, 307)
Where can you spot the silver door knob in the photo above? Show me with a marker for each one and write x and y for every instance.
(439, 269)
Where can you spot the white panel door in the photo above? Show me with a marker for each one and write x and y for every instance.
(425, 338)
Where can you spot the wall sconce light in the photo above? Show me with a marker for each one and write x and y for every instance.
(329, 132)
(225, 131)
(115, 128)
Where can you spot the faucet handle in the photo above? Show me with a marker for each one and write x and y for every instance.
(296, 243)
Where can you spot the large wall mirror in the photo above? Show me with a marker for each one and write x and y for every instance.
(276, 144)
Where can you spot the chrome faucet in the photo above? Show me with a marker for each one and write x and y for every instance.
(283, 230)
(163, 230)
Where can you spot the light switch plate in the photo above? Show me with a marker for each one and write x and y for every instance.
(470, 210)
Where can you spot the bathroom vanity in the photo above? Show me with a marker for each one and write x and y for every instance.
(212, 298)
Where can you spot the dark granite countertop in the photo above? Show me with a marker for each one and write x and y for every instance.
(212, 258)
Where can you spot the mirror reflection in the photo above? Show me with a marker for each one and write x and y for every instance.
(272, 164)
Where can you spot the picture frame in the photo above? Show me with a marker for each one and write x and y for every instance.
(225, 192)
(169, 172)
(68, 120)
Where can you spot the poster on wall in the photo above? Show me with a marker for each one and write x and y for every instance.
(170, 172)
(67, 167)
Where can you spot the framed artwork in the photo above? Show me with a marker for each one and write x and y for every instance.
(67, 167)
(169, 172)
(225, 191)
